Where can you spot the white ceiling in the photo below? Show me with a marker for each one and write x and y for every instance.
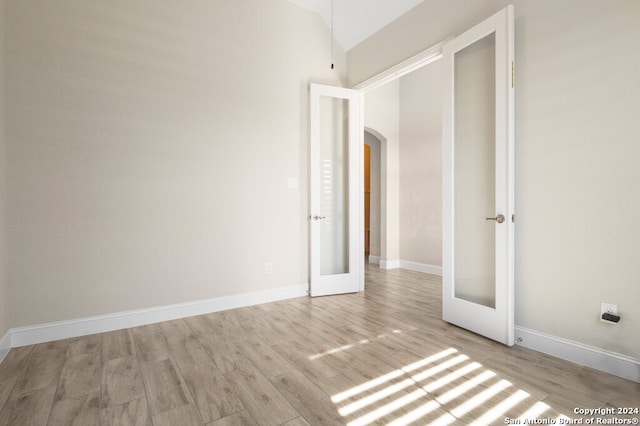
(356, 20)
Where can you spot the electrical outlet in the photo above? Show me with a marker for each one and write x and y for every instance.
(268, 268)
(608, 308)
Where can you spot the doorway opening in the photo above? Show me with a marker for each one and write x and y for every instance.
(372, 193)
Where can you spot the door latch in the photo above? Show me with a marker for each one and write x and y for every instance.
(499, 218)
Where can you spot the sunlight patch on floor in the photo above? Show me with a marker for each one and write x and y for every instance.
(366, 386)
(417, 414)
(475, 392)
(501, 408)
(437, 384)
(375, 397)
(330, 351)
(390, 376)
(380, 412)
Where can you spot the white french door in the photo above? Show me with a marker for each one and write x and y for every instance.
(478, 168)
(336, 248)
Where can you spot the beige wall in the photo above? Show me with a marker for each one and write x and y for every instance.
(421, 166)
(577, 174)
(4, 282)
(381, 116)
(149, 145)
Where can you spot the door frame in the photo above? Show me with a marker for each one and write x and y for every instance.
(415, 62)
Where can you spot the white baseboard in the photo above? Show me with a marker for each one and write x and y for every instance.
(389, 264)
(411, 266)
(590, 356)
(41, 333)
(374, 260)
(421, 267)
(5, 345)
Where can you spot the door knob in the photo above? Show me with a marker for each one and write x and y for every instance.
(499, 218)
(316, 217)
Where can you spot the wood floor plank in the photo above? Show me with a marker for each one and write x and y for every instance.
(121, 381)
(243, 418)
(223, 351)
(211, 392)
(263, 357)
(14, 363)
(165, 388)
(187, 350)
(152, 347)
(80, 375)
(298, 421)
(31, 408)
(117, 344)
(260, 397)
(42, 370)
(84, 345)
(186, 415)
(307, 398)
(203, 326)
(5, 391)
(82, 410)
(171, 328)
(310, 362)
(132, 413)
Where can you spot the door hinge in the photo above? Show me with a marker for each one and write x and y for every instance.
(513, 218)
(513, 74)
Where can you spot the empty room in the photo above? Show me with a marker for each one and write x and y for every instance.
(187, 238)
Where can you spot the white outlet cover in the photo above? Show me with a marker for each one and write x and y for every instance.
(292, 182)
(608, 307)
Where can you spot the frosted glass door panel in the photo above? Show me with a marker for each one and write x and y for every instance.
(474, 180)
(334, 186)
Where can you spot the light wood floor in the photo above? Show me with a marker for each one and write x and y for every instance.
(378, 357)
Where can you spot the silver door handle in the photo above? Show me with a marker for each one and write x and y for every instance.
(316, 217)
(499, 218)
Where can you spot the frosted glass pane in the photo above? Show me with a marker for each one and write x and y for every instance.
(334, 162)
(474, 181)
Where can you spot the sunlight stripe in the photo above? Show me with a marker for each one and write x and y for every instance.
(439, 368)
(330, 351)
(478, 399)
(465, 387)
(429, 360)
(451, 377)
(366, 386)
(370, 399)
(389, 408)
(535, 411)
(499, 410)
(416, 414)
(443, 420)
(390, 376)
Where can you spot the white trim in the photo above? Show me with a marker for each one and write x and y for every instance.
(41, 333)
(374, 260)
(421, 267)
(590, 356)
(413, 63)
(5, 345)
(389, 264)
